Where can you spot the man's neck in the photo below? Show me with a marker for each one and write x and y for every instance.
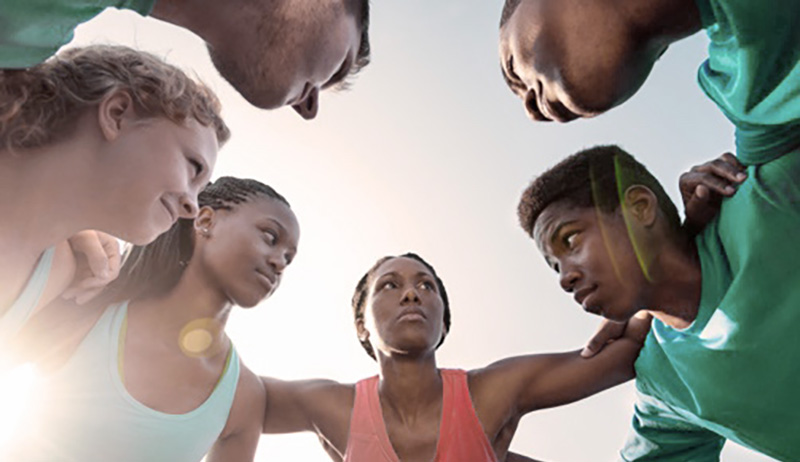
(661, 22)
(209, 19)
(677, 286)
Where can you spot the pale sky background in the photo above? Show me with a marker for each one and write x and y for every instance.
(428, 152)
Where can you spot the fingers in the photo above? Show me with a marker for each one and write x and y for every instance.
(639, 326)
(721, 175)
(605, 334)
(88, 245)
(113, 255)
(99, 260)
(703, 187)
(701, 208)
(710, 181)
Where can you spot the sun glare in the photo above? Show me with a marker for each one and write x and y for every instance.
(17, 390)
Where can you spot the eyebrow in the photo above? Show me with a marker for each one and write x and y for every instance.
(552, 237)
(396, 274)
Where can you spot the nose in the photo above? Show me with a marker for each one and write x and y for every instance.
(187, 206)
(309, 106)
(568, 277)
(278, 261)
(531, 102)
(410, 296)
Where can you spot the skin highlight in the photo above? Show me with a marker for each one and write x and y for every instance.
(403, 321)
(60, 181)
(574, 59)
(175, 345)
(299, 47)
(598, 258)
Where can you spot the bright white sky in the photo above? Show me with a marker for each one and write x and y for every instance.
(428, 152)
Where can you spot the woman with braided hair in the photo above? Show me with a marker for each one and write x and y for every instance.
(146, 373)
(101, 137)
(415, 411)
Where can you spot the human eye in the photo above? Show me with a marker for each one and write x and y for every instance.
(270, 236)
(387, 285)
(196, 165)
(569, 239)
(426, 285)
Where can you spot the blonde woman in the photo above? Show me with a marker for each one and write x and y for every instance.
(101, 137)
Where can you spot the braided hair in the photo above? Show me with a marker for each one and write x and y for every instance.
(154, 269)
(359, 301)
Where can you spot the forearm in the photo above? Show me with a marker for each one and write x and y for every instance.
(568, 377)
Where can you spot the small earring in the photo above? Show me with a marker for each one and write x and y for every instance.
(204, 232)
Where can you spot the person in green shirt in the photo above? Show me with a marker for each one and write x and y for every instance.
(569, 58)
(721, 360)
(274, 52)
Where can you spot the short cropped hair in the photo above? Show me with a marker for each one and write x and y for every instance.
(594, 177)
(359, 300)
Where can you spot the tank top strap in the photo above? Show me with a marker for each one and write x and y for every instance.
(461, 435)
(22, 308)
(95, 418)
(367, 440)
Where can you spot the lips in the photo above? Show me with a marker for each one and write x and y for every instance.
(413, 313)
(266, 278)
(582, 294)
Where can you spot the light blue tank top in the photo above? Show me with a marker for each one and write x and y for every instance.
(19, 312)
(87, 415)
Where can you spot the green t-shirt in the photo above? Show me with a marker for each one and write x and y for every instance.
(735, 372)
(753, 72)
(33, 30)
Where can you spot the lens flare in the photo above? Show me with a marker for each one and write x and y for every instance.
(18, 386)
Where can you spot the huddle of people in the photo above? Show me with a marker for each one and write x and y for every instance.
(135, 359)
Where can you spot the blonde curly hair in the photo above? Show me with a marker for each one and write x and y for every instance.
(40, 105)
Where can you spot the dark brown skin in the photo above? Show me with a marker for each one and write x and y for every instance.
(702, 188)
(403, 321)
(238, 259)
(573, 58)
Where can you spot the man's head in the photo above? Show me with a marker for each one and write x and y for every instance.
(569, 58)
(284, 52)
(602, 221)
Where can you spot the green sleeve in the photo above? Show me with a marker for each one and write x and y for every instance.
(660, 435)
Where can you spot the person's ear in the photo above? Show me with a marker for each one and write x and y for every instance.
(115, 111)
(205, 221)
(361, 329)
(641, 204)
